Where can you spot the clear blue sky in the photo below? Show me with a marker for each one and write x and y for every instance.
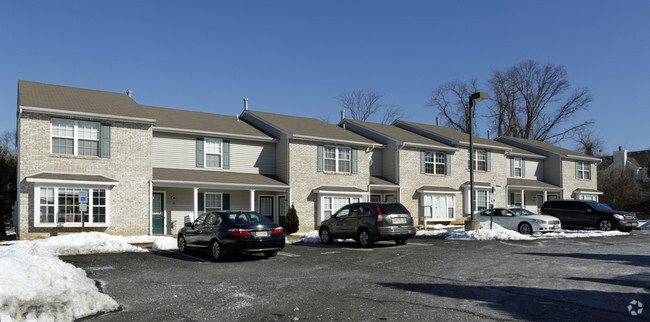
(294, 57)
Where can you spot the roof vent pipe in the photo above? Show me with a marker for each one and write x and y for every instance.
(237, 117)
(620, 148)
(437, 120)
(342, 115)
(129, 92)
(246, 104)
(489, 134)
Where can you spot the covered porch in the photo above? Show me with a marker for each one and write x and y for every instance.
(382, 190)
(531, 194)
(178, 196)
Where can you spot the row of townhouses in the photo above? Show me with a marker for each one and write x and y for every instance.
(147, 169)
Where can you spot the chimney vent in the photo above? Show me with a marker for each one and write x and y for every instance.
(129, 92)
(246, 104)
(489, 134)
(342, 115)
(437, 120)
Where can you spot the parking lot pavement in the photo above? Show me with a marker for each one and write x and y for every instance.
(427, 279)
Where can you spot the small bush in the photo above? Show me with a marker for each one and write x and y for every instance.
(291, 223)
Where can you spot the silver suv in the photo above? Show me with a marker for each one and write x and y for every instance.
(369, 222)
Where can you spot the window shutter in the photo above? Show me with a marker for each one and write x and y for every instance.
(201, 204)
(577, 170)
(354, 155)
(105, 141)
(448, 164)
(512, 167)
(422, 156)
(226, 153)
(319, 159)
(225, 205)
(488, 161)
(199, 152)
(523, 168)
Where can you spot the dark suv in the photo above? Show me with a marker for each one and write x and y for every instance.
(578, 213)
(369, 222)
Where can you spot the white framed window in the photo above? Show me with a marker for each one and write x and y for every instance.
(480, 160)
(59, 206)
(331, 204)
(435, 162)
(212, 201)
(375, 198)
(337, 159)
(588, 197)
(481, 200)
(439, 206)
(212, 153)
(583, 170)
(517, 167)
(74, 137)
(515, 199)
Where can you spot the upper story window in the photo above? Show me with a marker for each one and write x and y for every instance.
(583, 170)
(75, 137)
(481, 160)
(213, 153)
(337, 159)
(517, 167)
(435, 163)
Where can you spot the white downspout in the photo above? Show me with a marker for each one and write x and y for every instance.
(150, 207)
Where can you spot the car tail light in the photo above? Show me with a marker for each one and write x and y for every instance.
(238, 232)
(380, 217)
(278, 230)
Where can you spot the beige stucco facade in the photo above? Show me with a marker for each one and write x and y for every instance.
(129, 166)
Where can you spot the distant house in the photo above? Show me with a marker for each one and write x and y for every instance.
(637, 161)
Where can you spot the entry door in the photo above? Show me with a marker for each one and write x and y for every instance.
(266, 207)
(158, 216)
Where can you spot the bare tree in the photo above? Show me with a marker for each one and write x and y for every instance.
(392, 113)
(362, 104)
(534, 101)
(8, 141)
(620, 189)
(588, 143)
(452, 101)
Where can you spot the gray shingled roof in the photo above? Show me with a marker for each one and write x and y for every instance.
(33, 94)
(216, 177)
(548, 147)
(398, 133)
(382, 181)
(454, 134)
(200, 121)
(71, 177)
(304, 128)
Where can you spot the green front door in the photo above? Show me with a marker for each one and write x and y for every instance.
(158, 216)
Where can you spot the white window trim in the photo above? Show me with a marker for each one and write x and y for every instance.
(434, 162)
(37, 206)
(487, 199)
(205, 202)
(75, 136)
(476, 160)
(337, 150)
(584, 168)
(449, 205)
(520, 167)
(205, 153)
(333, 211)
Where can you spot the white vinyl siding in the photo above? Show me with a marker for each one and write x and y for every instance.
(178, 152)
(376, 163)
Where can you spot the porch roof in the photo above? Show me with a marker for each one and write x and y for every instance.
(339, 189)
(71, 178)
(203, 178)
(531, 184)
(427, 189)
(381, 181)
(594, 191)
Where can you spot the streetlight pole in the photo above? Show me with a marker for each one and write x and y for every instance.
(478, 96)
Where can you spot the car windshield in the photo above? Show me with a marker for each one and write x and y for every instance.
(522, 212)
(245, 218)
(599, 206)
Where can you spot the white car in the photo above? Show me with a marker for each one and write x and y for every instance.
(521, 220)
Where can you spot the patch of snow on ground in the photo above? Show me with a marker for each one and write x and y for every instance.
(485, 233)
(644, 224)
(431, 233)
(165, 243)
(36, 285)
(310, 237)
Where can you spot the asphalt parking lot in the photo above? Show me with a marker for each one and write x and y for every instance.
(605, 278)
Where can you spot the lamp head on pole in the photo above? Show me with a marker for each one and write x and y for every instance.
(478, 96)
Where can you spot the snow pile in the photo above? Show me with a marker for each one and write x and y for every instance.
(311, 237)
(485, 233)
(36, 285)
(644, 224)
(580, 234)
(432, 233)
(165, 243)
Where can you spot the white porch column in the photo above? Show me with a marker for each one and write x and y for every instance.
(523, 199)
(468, 202)
(196, 203)
(150, 207)
(252, 200)
(545, 195)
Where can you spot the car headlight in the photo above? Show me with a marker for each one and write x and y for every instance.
(619, 217)
(539, 221)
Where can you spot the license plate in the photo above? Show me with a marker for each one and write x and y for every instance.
(399, 220)
(262, 234)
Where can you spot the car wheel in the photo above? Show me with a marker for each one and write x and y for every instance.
(215, 250)
(525, 228)
(401, 241)
(182, 245)
(325, 235)
(364, 239)
(271, 253)
(605, 225)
